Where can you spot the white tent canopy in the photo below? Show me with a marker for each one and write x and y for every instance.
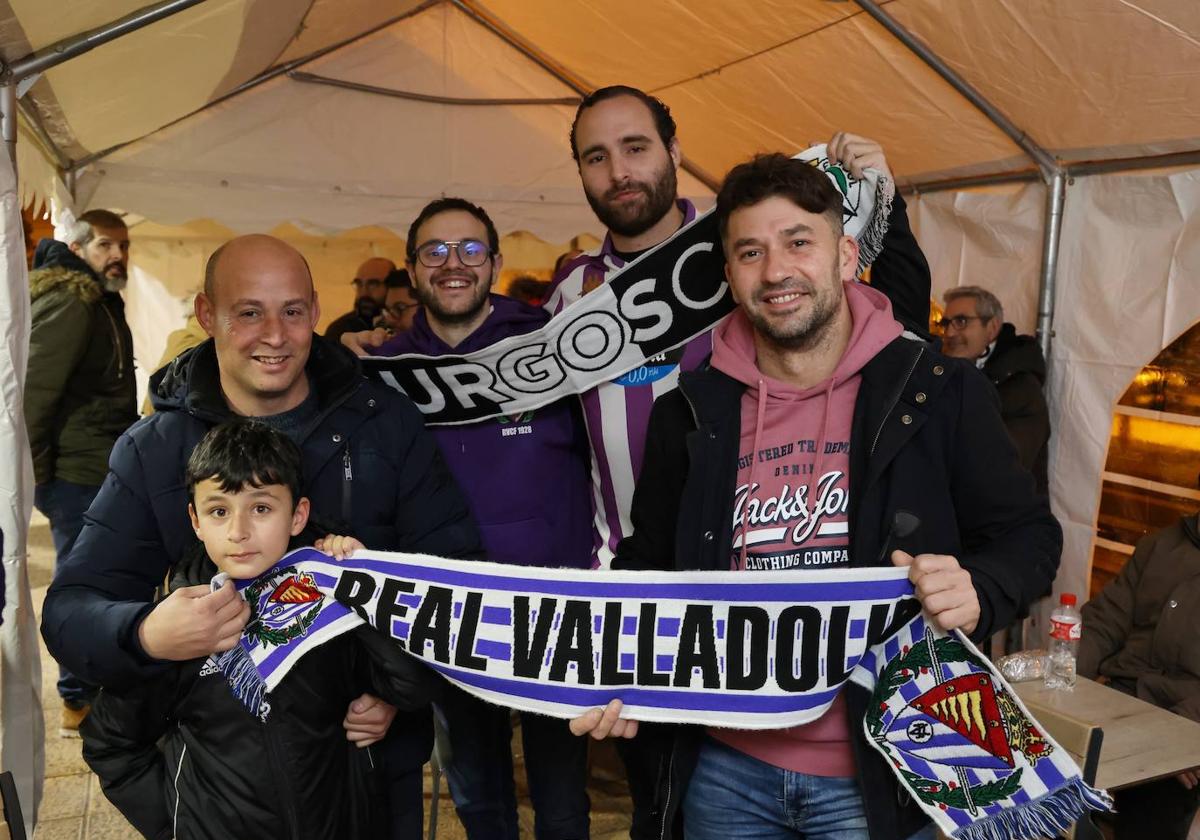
(196, 118)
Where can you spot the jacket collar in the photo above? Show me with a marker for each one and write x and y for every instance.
(192, 382)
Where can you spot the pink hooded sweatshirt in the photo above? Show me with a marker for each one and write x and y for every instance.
(792, 492)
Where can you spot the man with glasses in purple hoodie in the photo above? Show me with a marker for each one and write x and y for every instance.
(526, 482)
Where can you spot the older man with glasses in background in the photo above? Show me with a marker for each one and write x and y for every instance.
(974, 328)
(370, 297)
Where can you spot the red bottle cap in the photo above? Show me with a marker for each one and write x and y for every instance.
(1067, 598)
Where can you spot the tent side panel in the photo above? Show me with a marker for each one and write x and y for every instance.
(21, 724)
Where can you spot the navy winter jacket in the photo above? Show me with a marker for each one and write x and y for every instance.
(368, 463)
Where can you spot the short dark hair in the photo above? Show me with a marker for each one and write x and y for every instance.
(103, 218)
(443, 205)
(83, 230)
(664, 123)
(244, 452)
(769, 175)
(398, 279)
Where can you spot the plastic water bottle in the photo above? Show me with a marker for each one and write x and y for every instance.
(1066, 626)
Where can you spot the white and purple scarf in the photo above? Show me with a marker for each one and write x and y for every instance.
(714, 648)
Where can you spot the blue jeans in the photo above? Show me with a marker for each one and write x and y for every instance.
(64, 504)
(732, 794)
(480, 772)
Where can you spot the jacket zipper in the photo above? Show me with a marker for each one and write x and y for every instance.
(281, 774)
(175, 813)
(662, 834)
(347, 478)
(896, 397)
(117, 338)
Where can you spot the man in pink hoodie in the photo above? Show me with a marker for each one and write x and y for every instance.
(818, 420)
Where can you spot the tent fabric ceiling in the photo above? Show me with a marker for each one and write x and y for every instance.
(337, 159)
(1087, 79)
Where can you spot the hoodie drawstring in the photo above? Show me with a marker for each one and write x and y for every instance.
(758, 427)
(819, 460)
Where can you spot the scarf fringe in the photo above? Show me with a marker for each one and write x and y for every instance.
(870, 241)
(1045, 817)
(244, 680)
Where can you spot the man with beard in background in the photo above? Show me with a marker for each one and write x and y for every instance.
(370, 296)
(80, 389)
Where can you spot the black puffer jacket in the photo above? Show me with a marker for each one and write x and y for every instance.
(926, 437)
(182, 758)
(1018, 370)
(80, 391)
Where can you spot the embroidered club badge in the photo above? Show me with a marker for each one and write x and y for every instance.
(282, 606)
(963, 744)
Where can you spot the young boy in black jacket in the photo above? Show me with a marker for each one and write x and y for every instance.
(181, 756)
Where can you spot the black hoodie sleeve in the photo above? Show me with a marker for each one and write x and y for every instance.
(120, 737)
(901, 271)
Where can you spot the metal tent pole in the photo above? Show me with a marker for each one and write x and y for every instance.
(1056, 194)
(395, 93)
(8, 118)
(69, 48)
(41, 60)
(1041, 157)
(261, 78)
(1052, 171)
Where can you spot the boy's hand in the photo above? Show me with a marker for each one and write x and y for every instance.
(358, 342)
(367, 720)
(338, 547)
(194, 621)
(604, 723)
(944, 589)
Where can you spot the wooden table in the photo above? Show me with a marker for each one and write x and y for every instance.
(1141, 742)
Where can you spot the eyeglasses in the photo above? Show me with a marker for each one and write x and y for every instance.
(959, 322)
(471, 252)
(398, 309)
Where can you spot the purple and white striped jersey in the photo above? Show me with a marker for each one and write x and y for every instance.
(617, 412)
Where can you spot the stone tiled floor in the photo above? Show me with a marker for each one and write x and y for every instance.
(74, 808)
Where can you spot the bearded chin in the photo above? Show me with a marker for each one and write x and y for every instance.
(115, 284)
(660, 197)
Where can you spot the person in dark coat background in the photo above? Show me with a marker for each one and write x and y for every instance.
(79, 391)
(1143, 638)
(975, 329)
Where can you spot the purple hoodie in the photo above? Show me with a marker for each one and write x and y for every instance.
(525, 477)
